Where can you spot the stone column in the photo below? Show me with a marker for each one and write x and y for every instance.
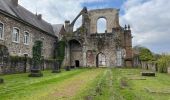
(84, 56)
(68, 55)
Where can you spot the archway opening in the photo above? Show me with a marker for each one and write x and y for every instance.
(101, 60)
(75, 53)
(101, 25)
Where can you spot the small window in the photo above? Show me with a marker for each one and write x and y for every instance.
(26, 38)
(1, 30)
(15, 35)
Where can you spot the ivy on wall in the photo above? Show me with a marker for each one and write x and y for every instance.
(37, 49)
(60, 50)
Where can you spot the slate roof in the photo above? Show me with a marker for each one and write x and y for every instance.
(23, 14)
(57, 28)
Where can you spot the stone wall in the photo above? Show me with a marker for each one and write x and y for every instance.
(111, 44)
(111, 16)
(20, 48)
(22, 66)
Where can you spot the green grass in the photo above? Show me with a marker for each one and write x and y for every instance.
(22, 87)
(127, 84)
(136, 89)
(87, 84)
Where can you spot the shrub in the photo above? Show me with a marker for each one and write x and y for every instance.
(163, 63)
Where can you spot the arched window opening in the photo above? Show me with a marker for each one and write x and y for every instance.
(78, 23)
(101, 25)
(101, 60)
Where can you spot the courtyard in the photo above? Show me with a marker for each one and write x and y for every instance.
(87, 84)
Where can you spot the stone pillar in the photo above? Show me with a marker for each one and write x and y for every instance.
(84, 56)
(67, 61)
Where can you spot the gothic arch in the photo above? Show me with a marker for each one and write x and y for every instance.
(100, 60)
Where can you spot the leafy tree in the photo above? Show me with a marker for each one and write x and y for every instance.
(144, 53)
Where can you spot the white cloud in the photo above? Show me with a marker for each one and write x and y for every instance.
(56, 11)
(150, 21)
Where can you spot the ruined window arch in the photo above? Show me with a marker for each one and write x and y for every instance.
(78, 23)
(101, 60)
(101, 25)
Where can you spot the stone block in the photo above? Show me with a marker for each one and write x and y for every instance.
(148, 74)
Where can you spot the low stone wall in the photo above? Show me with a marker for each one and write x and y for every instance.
(11, 67)
(168, 70)
(149, 66)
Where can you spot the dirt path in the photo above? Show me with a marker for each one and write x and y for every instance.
(70, 87)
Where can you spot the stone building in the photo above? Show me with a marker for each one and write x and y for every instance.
(87, 47)
(19, 29)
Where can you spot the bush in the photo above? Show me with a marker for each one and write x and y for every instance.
(1, 80)
(163, 63)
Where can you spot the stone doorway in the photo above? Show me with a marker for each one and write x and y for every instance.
(101, 60)
(75, 53)
(77, 63)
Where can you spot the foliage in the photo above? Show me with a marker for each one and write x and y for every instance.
(37, 50)
(163, 63)
(60, 50)
(144, 53)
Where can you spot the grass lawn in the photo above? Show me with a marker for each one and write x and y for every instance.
(87, 84)
(128, 84)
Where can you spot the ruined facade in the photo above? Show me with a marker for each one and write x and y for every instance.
(19, 29)
(87, 47)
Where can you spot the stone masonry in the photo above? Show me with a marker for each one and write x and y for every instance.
(87, 47)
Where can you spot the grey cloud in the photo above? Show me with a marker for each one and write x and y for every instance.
(150, 22)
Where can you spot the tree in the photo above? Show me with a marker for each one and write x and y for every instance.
(144, 53)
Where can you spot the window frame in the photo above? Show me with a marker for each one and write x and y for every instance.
(2, 38)
(28, 38)
(18, 35)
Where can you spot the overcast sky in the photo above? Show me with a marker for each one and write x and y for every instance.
(149, 19)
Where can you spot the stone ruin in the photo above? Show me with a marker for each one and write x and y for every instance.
(87, 47)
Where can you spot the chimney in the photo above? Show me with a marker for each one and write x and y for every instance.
(67, 24)
(14, 2)
(39, 16)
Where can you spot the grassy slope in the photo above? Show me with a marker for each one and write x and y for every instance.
(22, 87)
(86, 84)
(109, 86)
(136, 89)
